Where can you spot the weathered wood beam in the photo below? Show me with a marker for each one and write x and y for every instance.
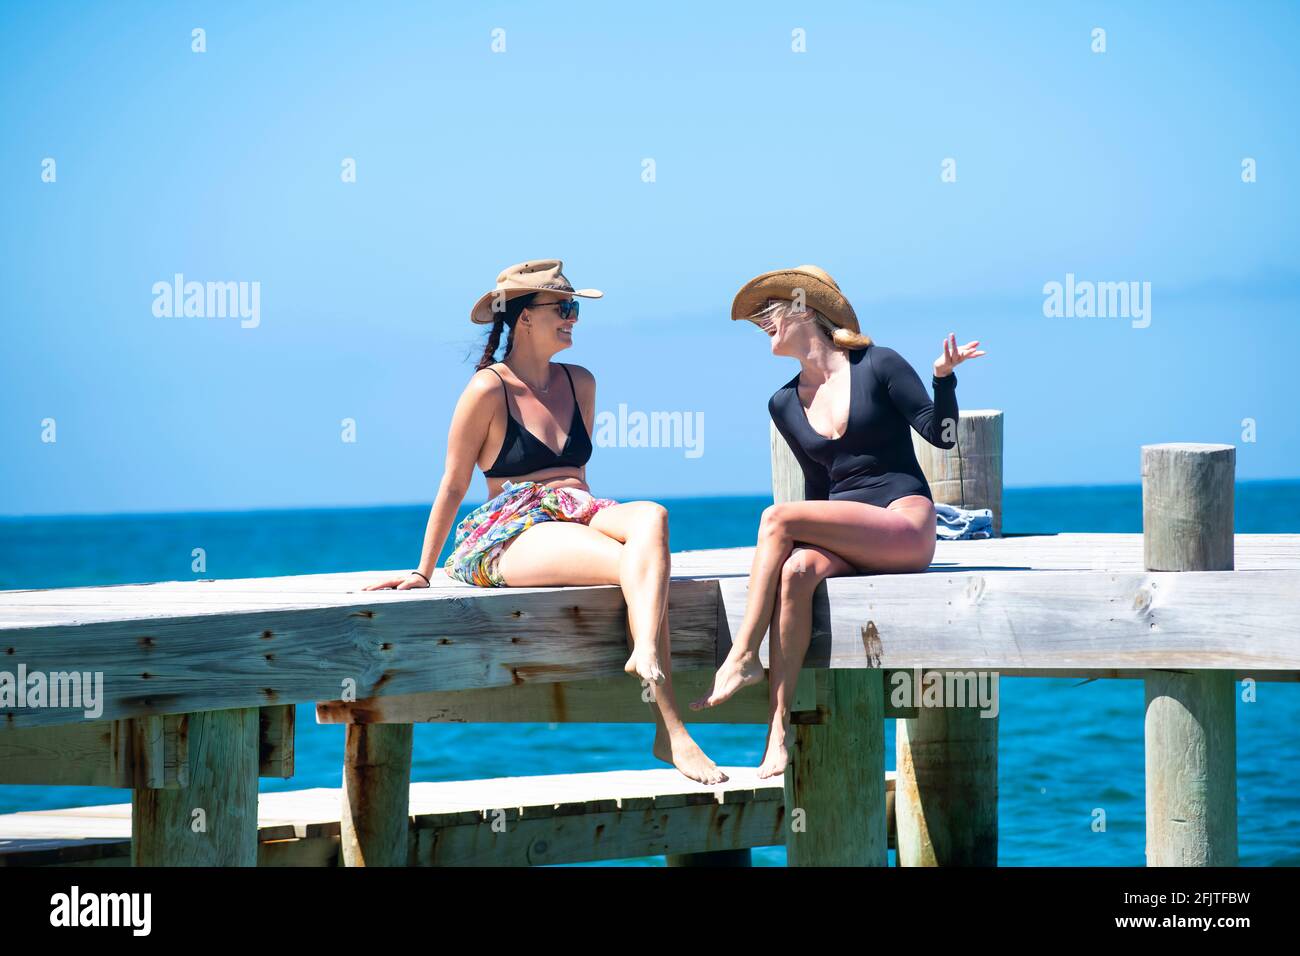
(1054, 620)
(212, 821)
(376, 795)
(144, 752)
(604, 700)
(835, 801)
(147, 752)
(218, 662)
(1191, 719)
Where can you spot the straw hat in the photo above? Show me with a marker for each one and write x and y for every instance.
(539, 275)
(819, 292)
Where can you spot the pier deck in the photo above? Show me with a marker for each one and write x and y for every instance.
(1060, 603)
(199, 678)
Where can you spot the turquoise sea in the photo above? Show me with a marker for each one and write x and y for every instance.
(1066, 748)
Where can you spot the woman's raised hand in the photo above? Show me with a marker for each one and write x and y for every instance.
(954, 354)
(403, 583)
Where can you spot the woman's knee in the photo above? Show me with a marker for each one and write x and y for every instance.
(774, 526)
(800, 575)
(652, 520)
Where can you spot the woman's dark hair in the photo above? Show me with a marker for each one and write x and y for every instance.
(503, 319)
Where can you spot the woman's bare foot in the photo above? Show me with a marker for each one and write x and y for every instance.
(777, 756)
(644, 663)
(684, 754)
(735, 673)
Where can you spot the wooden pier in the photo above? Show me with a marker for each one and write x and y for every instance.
(199, 681)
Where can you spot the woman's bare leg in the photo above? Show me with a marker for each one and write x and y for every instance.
(791, 632)
(642, 527)
(869, 537)
(560, 553)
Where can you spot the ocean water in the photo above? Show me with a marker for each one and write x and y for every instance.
(1066, 748)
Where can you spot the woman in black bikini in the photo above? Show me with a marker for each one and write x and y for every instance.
(542, 527)
(847, 417)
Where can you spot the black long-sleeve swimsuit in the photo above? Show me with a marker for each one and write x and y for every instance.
(873, 461)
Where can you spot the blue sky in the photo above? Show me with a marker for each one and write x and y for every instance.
(225, 166)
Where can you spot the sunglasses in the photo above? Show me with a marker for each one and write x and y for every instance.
(567, 308)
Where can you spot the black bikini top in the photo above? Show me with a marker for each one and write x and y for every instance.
(523, 453)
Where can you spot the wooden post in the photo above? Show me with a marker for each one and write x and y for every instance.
(711, 858)
(970, 475)
(1191, 720)
(946, 798)
(375, 827)
(835, 783)
(213, 820)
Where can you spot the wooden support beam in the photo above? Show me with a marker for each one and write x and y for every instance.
(146, 752)
(213, 820)
(1191, 723)
(275, 740)
(835, 806)
(140, 752)
(603, 700)
(376, 795)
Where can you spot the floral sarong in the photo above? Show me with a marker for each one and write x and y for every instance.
(485, 531)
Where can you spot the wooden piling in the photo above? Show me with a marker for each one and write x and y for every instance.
(1191, 727)
(375, 826)
(969, 475)
(946, 801)
(834, 786)
(212, 821)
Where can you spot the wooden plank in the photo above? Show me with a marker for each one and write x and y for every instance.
(302, 827)
(145, 752)
(218, 662)
(604, 700)
(73, 607)
(1054, 620)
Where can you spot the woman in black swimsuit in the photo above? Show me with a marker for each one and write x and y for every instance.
(847, 416)
(541, 526)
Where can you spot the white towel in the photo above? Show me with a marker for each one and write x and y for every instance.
(958, 524)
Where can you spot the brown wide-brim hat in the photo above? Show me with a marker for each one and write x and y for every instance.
(819, 292)
(538, 275)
